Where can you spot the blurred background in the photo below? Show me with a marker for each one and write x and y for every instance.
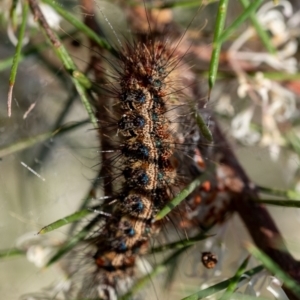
(256, 99)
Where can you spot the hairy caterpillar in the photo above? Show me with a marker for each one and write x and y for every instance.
(131, 162)
(143, 94)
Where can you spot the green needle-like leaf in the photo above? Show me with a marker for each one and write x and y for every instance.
(69, 245)
(80, 81)
(182, 195)
(29, 142)
(13, 14)
(239, 20)
(221, 285)
(17, 55)
(259, 30)
(235, 280)
(65, 221)
(7, 62)
(10, 253)
(214, 62)
(290, 194)
(285, 203)
(79, 25)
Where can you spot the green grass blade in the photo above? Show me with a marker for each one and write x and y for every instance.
(80, 81)
(85, 201)
(29, 142)
(186, 3)
(281, 76)
(274, 268)
(79, 25)
(214, 62)
(8, 253)
(7, 62)
(290, 194)
(13, 14)
(65, 221)
(235, 280)
(259, 30)
(221, 285)
(182, 195)
(240, 296)
(239, 20)
(16, 59)
(70, 244)
(285, 203)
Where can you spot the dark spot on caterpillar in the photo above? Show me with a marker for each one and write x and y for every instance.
(133, 205)
(158, 101)
(161, 70)
(138, 206)
(140, 96)
(121, 247)
(126, 227)
(158, 143)
(155, 83)
(127, 172)
(136, 177)
(136, 151)
(143, 178)
(130, 124)
(155, 117)
(147, 230)
(160, 176)
(149, 79)
(139, 121)
(137, 96)
(130, 231)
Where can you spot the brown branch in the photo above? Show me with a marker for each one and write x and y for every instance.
(257, 219)
(38, 16)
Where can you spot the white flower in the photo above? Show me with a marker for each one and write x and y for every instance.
(240, 127)
(275, 289)
(38, 248)
(224, 105)
(39, 255)
(283, 38)
(277, 105)
(52, 17)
